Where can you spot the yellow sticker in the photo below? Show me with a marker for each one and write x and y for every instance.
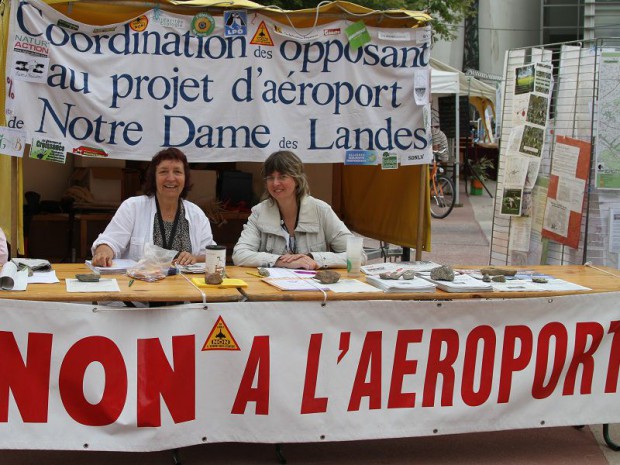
(139, 24)
(220, 338)
(262, 36)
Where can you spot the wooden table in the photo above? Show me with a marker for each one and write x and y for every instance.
(598, 281)
(172, 288)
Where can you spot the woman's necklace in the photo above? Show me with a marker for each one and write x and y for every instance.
(167, 242)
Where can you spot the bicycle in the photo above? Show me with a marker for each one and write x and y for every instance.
(441, 190)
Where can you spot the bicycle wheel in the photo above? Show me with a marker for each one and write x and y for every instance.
(442, 199)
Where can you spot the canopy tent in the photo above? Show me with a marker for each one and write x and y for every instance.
(92, 12)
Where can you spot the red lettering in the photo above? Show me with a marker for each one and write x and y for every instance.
(512, 362)
(28, 381)
(557, 331)
(370, 360)
(486, 335)
(613, 369)
(583, 356)
(71, 381)
(310, 403)
(257, 366)
(403, 366)
(157, 379)
(436, 366)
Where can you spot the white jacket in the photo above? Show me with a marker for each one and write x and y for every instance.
(132, 227)
(319, 231)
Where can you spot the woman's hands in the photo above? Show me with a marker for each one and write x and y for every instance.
(298, 261)
(103, 256)
(186, 258)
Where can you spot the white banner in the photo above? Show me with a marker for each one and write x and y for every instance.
(225, 88)
(78, 376)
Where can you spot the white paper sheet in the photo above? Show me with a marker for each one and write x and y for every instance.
(103, 285)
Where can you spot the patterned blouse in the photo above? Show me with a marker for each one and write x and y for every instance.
(181, 241)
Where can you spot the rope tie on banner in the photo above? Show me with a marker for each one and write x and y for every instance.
(314, 284)
(204, 296)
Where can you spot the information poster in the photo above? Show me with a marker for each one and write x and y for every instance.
(569, 175)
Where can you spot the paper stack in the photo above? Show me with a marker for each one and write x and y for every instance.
(401, 285)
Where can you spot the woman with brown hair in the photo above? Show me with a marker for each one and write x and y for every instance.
(290, 228)
(162, 217)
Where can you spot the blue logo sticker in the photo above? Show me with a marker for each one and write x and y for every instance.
(360, 157)
(235, 23)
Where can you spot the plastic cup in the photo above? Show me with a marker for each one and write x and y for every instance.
(355, 245)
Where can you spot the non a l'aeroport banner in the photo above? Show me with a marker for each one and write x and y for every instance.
(235, 87)
(126, 379)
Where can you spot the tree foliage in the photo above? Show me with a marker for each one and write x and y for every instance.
(446, 14)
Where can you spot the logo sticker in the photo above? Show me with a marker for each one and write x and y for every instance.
(139, 24)
(203, 24)
(87, 151)
(235, 23)
(360, 157)
(262, 37)
(220, 338)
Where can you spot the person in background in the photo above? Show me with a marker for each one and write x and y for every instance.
(4, 248)
(440, 143)
(290, 228)
(162, 217)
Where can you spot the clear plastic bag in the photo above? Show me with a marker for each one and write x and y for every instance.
(154, 265)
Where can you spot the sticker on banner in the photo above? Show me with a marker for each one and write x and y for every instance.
(220, 338)
(423, 35)
(46, 149)
(360, 157)
(389, 161)
(394, 36)
(334, 31)
(203, 24)
(358, 35)
(235, 23)
(139, 24)
(262, 36)
(67, 25)
(421, 86)
(103, 30)
(293, 34)
(172, 22)
(29, 68)
(92, 152)
(12, 141)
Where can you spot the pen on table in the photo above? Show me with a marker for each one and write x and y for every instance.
(130, 283)
(312, 272)
(254, 274)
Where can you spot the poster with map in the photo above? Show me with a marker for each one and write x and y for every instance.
(608, 145)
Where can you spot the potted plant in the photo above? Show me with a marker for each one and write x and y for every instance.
(481, 168)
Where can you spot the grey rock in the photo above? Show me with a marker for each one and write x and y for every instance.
(496, 271)
(409, 274)
(443, 273)
(327, 276)
(539, 280)
(500, 278)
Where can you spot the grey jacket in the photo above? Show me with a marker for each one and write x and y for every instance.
(319, 232)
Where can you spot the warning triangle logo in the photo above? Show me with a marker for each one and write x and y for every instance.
(262, 36)
(220, 338)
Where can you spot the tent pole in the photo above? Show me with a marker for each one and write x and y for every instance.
(14, 232)
(421, 204)
(457, 151)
